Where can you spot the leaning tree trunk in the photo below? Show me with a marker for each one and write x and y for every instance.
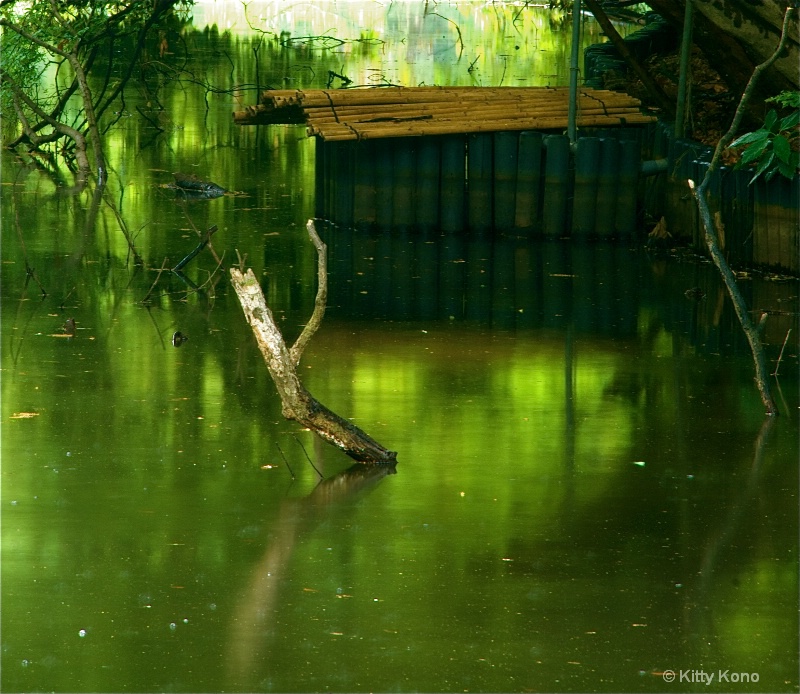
(751, 331)
(297, 403)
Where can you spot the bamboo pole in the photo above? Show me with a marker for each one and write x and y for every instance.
(385, 95)
(510, 104)
(455, 112)
(332, 132)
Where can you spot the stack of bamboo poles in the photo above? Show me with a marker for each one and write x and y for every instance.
(356, 114)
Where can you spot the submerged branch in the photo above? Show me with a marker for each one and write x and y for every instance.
(200, 246)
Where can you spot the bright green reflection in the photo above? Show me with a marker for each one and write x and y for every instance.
(414, 42)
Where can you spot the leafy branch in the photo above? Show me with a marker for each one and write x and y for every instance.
(773, 147)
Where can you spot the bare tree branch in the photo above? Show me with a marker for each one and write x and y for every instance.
(322, 296)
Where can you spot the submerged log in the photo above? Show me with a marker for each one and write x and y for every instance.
(297, 403)
(189, 185)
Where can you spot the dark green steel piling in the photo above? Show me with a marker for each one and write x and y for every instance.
(607, 188)
(479, 182)
(364, 198)
(403, 160)
(426, 203)
(344, 180)
(505, 180)
(556, 186)
(628, 179)
(452, 197)
(529, 176)
(587, 163)
(384, 181)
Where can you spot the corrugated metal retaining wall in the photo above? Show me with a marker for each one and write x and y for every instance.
(481, 182)
(761, 223)
(526, 183)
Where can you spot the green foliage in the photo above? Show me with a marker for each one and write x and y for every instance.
(773, 147)
(65, 62)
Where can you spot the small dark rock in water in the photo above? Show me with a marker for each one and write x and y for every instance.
(178, 338)
(69, 327)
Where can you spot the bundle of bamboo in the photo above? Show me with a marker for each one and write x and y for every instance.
(354, 114)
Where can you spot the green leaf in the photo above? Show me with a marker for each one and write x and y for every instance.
(790, 121)
(762, 167)
(771, 120)
(782, 149)
(787, 170)
(754, 151)
(749, 138)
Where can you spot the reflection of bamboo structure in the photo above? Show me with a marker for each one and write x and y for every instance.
(356, 114)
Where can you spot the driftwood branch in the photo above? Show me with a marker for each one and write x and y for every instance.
(322, 296)
(712, 237)
(297, 403)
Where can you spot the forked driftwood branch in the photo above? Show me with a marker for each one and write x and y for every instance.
(297, 403)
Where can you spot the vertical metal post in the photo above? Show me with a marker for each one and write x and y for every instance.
(572, 114)
(686, 52)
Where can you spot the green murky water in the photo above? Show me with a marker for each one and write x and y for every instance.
(586, 495)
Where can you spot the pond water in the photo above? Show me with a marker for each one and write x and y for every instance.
(587, 495)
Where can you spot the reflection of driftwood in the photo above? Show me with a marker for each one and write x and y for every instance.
(297, 402)
(253, 621)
